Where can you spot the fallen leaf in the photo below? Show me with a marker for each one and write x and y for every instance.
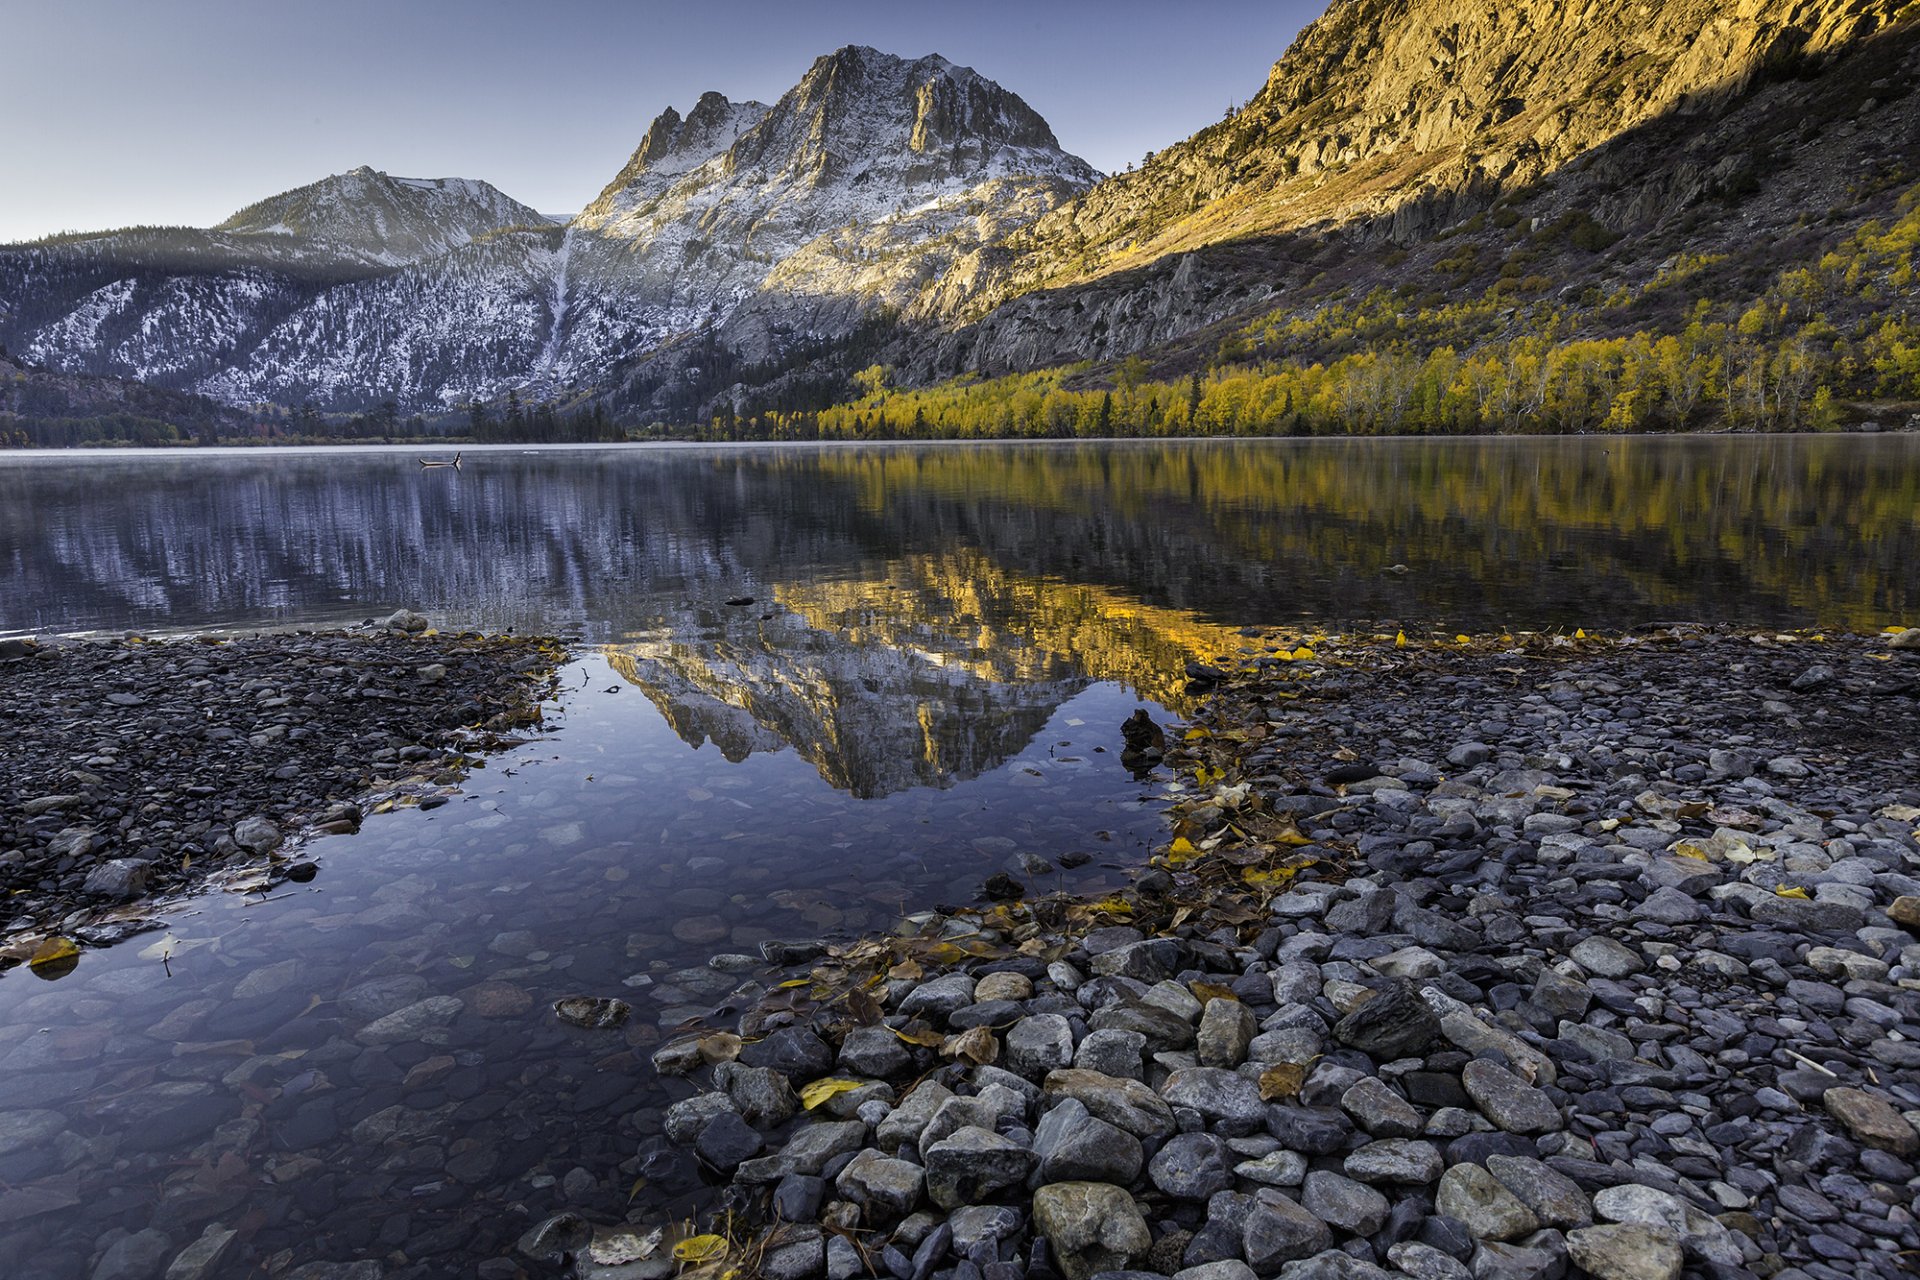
(1792, 892)
(1207, 992)
(819, 1091)
(976, 1045)
(700, 1249)
(919, 1033)
(1282, 1081)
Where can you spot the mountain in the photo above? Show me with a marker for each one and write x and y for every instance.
(739, 226)
(374, 217)
(1425, 146)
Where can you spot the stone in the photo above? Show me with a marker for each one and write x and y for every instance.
(808, 1150)
(939, 998)
(886, 1188)
(1126, 1104)
(1227, 1027)
(1699, 1233)
(1606, 958)
(1380, 1111)
(1905, 910)
(257, 835)
(1091, 1227)
(1872, 1120)
(1344, 1203)
(413, 1022)
(1490, 1211)
(760, 1094)
(1555, 1199)
(596, 1013)
(1424, 1262)
(1626, 1251)
(973, 1165)
(1395, 1160)
(1670, 906)
(794, 1052)
(1279, 1231)
(1225, 1269)
(1217, 1094)
(1191, 1166)
(909, 1119)
(1003, 986)
(1111, 1052)
(120, 879)
(726, 1141)
(201, 1259)
(133, 1257)
(874, 1052)
(1507, 1100)
(1395, 1023)
(794, 1252)
(1038, 1044)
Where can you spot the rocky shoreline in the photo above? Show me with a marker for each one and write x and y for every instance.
(136, 768)
(1519, 957)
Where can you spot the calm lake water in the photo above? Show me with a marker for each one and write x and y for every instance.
(929, 685)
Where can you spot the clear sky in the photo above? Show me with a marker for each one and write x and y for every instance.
(182, 111)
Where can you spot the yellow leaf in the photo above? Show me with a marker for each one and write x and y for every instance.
(1688, 849)
(1400, 640)
(1114, 906)
(1463, 639)
(1195, 735)
(919, 1033)
(1793, 893)
(1292, 838)
(819, 1091)
(700, 1249)
(791, 983)
(1303, 654)
(1206, 992)
(1255, 876)
(1181, 851)
(50, 953)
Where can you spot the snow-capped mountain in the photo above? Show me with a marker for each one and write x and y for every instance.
(763, 225)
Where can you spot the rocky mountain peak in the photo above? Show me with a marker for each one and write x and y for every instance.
(375, 216)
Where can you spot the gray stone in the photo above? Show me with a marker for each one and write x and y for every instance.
(1626, 1251)
(726, 1141)
(939, 998)
(133, 1257)
(794, 1252)
(1344, 1203)
(1075, 1146)
(973, 1165)
(1225, 1269)
(1227, 1027)
(808, 1150)
(1380, 1111)
(1490, 1211)
(1038, 1044)
(761, 1094)
(1669, 906)
(1091, 1227)
(1700, 1234)
(984, 1224)
(1191, 1166)
(1507, 1100)
(201, 1259)
(414, 1022)
(1128, 1104)
(886, 1188)
(121, 878)
(1555, 1199)
(1396, 1160)
(20, 1130)
(1217, 1094)
(256, 835)
(1276, 1169)
(1395, 1023)
(1424, 1262)
(1607, 958)
(1112, 1053)
(874, 1052)
(1279, 1231)
(909, 1119)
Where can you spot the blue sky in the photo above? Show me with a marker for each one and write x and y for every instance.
(182, 111)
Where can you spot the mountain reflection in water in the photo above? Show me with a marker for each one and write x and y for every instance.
(920, 611)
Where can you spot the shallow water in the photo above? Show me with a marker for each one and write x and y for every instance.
(929, 683)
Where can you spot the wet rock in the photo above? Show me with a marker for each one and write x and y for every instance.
(1091, 1227)
(939, 997)
(726, 1141)
(809, 1148)
(794, 1052)
(257, 835)
(761, 1095)
(874, 1052)
(202, 1259)
(414, 1022)
(119, 878)
(133, 1257)
(795, 1253)
(598, 1013)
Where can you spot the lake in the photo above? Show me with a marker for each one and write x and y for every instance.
(927, 686)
